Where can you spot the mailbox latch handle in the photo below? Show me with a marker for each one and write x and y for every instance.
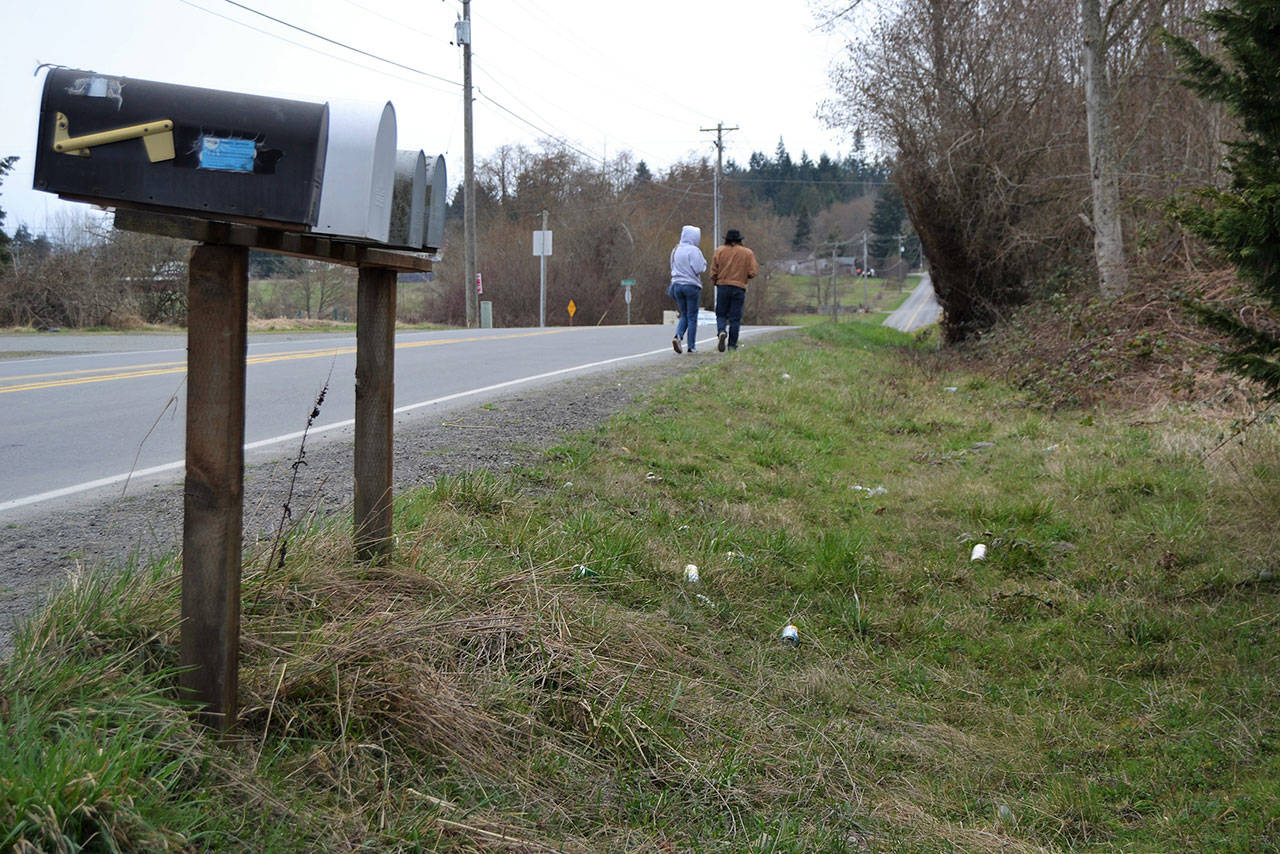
(156, 136)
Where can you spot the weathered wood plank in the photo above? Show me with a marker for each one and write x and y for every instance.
(280, 241)
(375, 402)
(214, 489)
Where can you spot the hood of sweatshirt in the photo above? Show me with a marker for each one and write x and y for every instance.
(691, 234)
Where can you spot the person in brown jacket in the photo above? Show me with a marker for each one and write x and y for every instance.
(731, 266)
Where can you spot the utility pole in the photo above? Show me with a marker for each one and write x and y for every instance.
(463, 29)
(835, 293)
(866, 285)
(720, 130)
(542, 268)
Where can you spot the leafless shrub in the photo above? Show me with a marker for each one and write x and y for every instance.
(981, 104)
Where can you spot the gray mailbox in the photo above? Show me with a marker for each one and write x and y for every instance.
(408, 200)
(418, 202)
(360, 165)
(437, 199)
(183, 149)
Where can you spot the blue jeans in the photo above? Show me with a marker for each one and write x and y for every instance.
(687, 299)
(729, 300)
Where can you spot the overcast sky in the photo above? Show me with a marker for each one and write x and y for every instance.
(602, 76)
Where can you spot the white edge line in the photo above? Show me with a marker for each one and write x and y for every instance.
(288, 437)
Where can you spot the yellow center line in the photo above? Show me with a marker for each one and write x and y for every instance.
(36, 382)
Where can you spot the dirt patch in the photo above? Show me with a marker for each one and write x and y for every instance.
(1142, 350)
(42, 548)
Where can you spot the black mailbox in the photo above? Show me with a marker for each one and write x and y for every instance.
(155, 145)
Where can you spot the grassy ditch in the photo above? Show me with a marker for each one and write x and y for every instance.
(532, 672)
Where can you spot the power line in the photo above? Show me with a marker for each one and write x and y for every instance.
(307, 47)
(560, 139)
(555, 136)
(344, 45)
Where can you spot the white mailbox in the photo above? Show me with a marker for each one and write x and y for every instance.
(408, 200)
(359, 171)
(437, 199)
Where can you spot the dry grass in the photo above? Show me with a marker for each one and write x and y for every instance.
(1140, 351)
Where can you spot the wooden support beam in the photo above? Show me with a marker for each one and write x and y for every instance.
(270, 239)
(375, 401)
(214, 491)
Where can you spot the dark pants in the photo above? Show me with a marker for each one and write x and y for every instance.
(729, 300)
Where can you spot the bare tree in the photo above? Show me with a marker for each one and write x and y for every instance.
(1104, 176)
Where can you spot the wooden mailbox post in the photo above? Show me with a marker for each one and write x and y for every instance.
(213, 501)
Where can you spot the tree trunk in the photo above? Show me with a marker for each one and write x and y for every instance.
(1104, 178)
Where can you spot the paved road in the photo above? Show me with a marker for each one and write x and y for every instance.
(81, 413)
(920, 309)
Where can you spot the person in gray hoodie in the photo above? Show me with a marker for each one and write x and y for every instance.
(687, 266)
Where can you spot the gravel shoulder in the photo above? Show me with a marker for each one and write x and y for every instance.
(42, 547)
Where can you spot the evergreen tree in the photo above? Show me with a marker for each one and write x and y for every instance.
(886, 223)
(643, 175)
(804, 227)
(1243, 221)
(6, 165)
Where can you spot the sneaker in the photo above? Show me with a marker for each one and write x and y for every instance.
(720, 345)
(675, 345)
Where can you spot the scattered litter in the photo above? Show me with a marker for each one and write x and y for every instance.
(877, 490)
(791, 635)
(652, 476)
(950, 388)
(583, 571)
(683, 528)
(786, 376)
(568, 484)
(1051, 448)
(979, 552)
(691, 573)
(704, 600)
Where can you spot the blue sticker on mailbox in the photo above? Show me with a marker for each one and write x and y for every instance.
(227, 155)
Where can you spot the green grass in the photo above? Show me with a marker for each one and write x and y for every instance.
(1104, 681)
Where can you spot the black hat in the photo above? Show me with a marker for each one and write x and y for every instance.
(733, 236)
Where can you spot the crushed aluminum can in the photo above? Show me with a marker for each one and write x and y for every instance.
(691, 573)
(791, 635)
(979, 552)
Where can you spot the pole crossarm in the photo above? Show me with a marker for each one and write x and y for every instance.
(719, 131)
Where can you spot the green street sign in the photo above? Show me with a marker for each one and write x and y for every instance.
(626, 283)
